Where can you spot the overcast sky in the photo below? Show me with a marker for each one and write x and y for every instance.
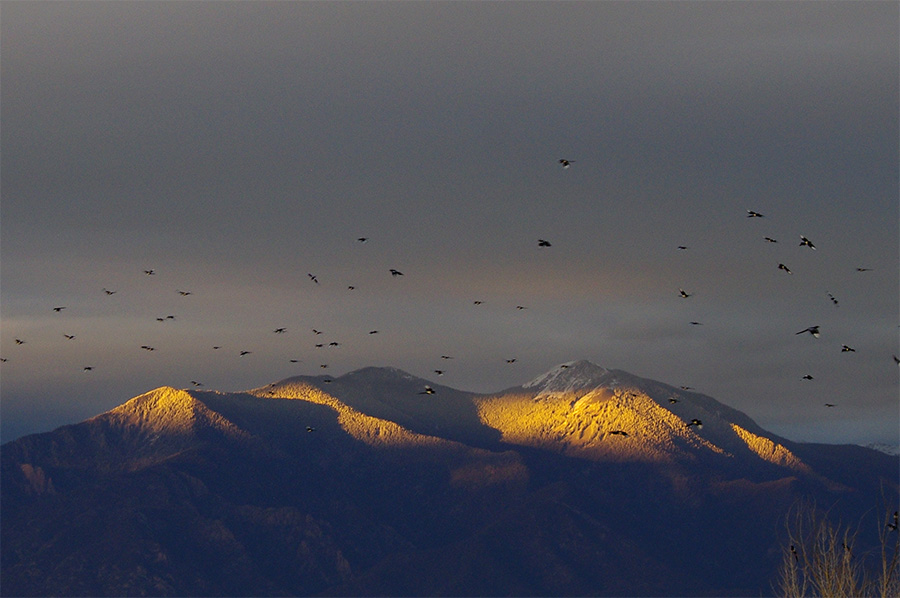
(236, 148)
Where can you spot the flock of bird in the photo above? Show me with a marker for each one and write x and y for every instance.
(542, 244)
(394, 273)
(812, 330)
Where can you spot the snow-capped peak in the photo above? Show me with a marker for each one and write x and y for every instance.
(571, 376)
(887, 449)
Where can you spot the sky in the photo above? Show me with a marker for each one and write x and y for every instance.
(236, 148)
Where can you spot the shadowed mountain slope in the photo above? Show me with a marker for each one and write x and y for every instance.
(582, 481)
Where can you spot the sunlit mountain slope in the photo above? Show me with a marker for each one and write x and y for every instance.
(587, 411)
(583, 481)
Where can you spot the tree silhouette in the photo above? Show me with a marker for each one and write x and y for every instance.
(821, 558)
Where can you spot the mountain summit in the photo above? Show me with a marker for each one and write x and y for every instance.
(582, 481)
(569, 377)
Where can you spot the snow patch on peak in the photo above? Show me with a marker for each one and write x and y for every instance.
(569, 377)
(887, 449)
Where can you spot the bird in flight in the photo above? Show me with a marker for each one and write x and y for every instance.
(770, 240)
(69, 336)
(363, 239)
(195, 383)
(87, 368)
(696, 422)
(521, 307)
(896, 521)
(804, 242)
(147, 348)
(184, 293)
(279, 330)
(108, 292)
(446, 357)
(683, 294)
(511, 360)
(847, 349)
(682, 247)
(477, 302)
(316, 331)
(396, 272)
(618, 433)
(313, 278)
(439, 372)
(428, 391)
(785, 268)
(150, 272)
(58, 309)
(373, 332)
(20, 341)
(543, 243)
(829, 404)
(813, 330)
(833, 300)
(696, 323)
(752, 214)
(864, 269)
(310, 429)
(566, 163)
(245, 353)
(673, 400)
(807, 377)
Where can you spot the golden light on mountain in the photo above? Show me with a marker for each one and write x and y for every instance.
(770, 451)
(370, 430)
(589, 479)
(589, 425)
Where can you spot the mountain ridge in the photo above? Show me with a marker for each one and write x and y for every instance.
(575, 408)
(381, 482)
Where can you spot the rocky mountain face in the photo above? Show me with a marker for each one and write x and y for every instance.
(584, 481)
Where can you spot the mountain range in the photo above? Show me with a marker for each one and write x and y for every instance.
(583, 481)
